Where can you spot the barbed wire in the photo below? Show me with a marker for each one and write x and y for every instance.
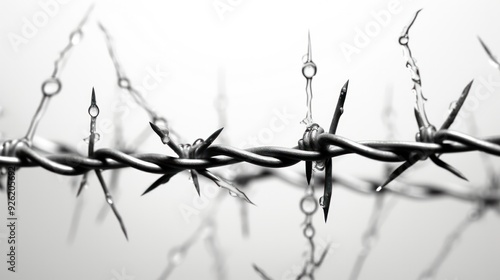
(316, 146)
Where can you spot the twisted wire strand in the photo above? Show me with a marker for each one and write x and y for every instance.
(272, 157)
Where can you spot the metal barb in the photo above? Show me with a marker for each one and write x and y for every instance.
(94, 112)
(415, 72)
(52, 86)
(492, 57)
(339, 110)
(122, 79)
(457, 105)
(194, 176)
(160, 181)
(225, 185)
(261, 272)
(163, 133)
(111, 202)
(205, 144)
(426, 130)
(309, 71)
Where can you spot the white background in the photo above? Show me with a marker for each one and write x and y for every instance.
(260, 45)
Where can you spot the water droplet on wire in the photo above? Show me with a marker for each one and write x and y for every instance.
(453, 105)
(176, 257)
(305, 58)
(309, 70)
(309, 231)
(403, 40)
(233, 194)
(308, 205)
(76, 37)
(322, 201)
(94, 111)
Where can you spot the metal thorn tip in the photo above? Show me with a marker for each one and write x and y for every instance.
(93, 100)
(483, 44)
(345, 87)
(379, 188)
(309, 52)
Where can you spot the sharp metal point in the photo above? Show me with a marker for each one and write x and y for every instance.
(309, 50)
(448, 167)
(458, 105)
(345, 87)
(93, 100)
(398, 171)
(214, 136)
(327, 192)
(82, 184)
(194, 176)
(339, 109)
(488, 52)
(224, 184)
(308, 171)
(162, 133)
(160, 181)
(111, 202)
(205, 144)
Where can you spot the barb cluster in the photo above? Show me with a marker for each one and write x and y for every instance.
(316, 147)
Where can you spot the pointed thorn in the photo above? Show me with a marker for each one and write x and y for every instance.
(93, 100)
(458, 105)
(205, 144)
(309, 52)
(214, 136)
(325, 214)
(222, 183)
(308, 171)
(327, 192)
(162, 133)
(194, 176)
(448, 167)
(160, 181)
(398, 171)
(488, 52)
(82, 184)
(339, 109)
(110, 201)
(345, 87)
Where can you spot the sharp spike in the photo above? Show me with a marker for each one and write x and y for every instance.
(194, 176)
(110, 201)
(458, 105)
(488, 52)
(309, 49)
(339, 110)
(327, 192)
(160, 181)
(448, 167)
(398, 171)
(308, 171)
(82, 184)
(224, 184)
(93, 100)
(204, 145)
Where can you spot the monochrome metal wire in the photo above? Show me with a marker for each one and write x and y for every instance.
(317, 146)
